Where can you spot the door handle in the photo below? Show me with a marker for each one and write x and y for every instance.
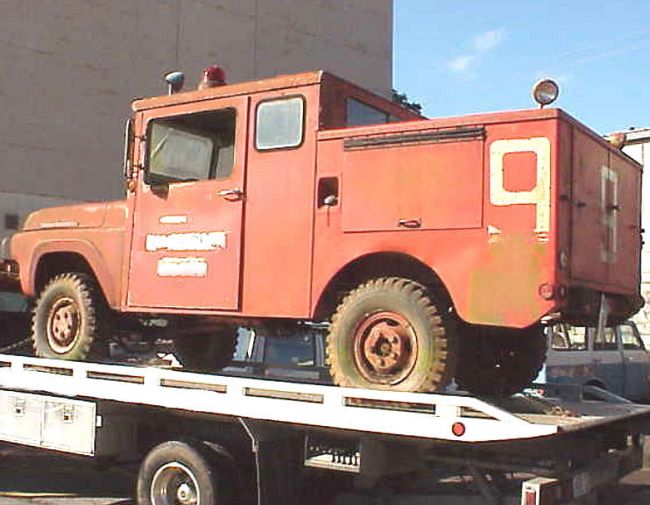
(410, 223)
(232, 195)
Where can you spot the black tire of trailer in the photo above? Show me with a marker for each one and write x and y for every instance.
(176, 472)
(391, 316)
(74, 297)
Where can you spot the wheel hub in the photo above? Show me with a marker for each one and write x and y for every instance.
(63, 325)
(385, 347)
(186, 494)
(174, 483)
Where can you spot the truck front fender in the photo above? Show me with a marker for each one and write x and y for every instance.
(86, 251)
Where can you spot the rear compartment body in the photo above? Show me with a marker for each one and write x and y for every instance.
(520, 214)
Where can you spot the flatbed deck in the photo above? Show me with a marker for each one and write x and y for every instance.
(442, 417)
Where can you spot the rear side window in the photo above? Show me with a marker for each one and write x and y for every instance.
(629, 338)
(280, 124)
(358, 114)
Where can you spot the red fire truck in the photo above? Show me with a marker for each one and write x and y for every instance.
(426, 248)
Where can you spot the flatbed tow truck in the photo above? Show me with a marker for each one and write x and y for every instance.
(204, 438)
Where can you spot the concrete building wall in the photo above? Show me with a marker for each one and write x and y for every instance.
(69, 68)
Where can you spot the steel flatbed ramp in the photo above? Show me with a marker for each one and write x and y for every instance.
(424, 416)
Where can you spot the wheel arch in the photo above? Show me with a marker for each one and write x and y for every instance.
(384, 264)
(49, 261)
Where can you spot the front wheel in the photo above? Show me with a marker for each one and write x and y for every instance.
(177, 473)
(70, 319)
(387, 334)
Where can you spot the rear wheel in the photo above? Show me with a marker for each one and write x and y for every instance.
(499, 361)
(177, 473)
(387, 334)
(70, 319)
(206, 351)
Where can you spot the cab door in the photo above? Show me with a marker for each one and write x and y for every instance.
(188, 211)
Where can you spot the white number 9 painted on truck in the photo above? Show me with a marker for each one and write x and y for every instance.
(540, 195)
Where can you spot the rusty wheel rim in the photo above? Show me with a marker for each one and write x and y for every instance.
(385, 348)
(63, 325)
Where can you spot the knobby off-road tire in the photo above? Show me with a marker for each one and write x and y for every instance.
(497, 361)
(70, 319)
(206, 352)
(177, 472)
(387, 334)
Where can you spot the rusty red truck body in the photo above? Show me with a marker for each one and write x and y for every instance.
(432, 247)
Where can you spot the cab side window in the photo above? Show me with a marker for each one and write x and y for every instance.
(293, 351)
(565, 337)
(191, 147)
(606, 341)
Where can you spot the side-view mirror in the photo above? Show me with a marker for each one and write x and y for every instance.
(127, 162)
(158, 184)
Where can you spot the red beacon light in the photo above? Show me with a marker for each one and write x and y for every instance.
(213, 76)
(617, 139)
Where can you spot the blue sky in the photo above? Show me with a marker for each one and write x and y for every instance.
(460, 57)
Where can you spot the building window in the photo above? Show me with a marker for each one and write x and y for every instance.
(11, 221)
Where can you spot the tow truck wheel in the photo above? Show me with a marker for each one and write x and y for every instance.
(387, 334)
(206, 352)
(70, 318)
(499, 361)
(177, 473)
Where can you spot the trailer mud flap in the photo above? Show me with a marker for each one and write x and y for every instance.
(278, 460)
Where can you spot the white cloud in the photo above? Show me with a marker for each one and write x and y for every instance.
(481, 44)
(487, 41)
(462, 63)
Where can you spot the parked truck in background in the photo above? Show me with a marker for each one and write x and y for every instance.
(426, 248)
(615, 360)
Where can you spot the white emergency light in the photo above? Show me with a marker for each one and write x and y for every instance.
(545, 92)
